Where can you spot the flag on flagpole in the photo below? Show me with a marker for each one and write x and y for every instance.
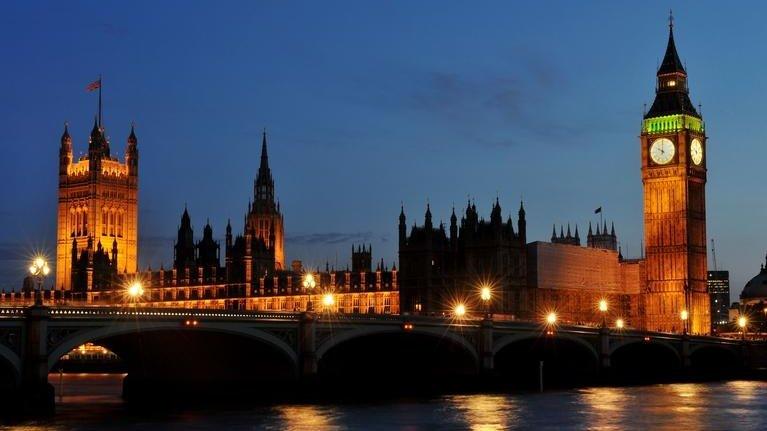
(95, 85)
(598, 210)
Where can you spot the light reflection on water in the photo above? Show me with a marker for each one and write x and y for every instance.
(92, 402)
(481, 412)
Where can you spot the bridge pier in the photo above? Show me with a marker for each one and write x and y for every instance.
(604, 349)
(685, 353)
(485, 347)
(37, 395)
(307, 346)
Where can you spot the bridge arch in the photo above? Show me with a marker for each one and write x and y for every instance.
(423, 359)
(636, 341)
(639, 360)
(12, 361)
(97, 333)
(507, 340)
(566, 360)
(440, 333)
(715, 360)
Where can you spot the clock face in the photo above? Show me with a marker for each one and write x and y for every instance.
(696, 151)
(662, 151)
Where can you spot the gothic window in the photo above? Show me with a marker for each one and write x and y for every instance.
(85, 223)
(104, 222)
(356, 308)
(112, 223)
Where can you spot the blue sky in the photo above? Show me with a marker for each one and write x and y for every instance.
(369, 104)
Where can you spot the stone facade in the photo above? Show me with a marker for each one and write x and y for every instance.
(97, 233)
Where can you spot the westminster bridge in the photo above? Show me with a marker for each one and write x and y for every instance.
(164, 347)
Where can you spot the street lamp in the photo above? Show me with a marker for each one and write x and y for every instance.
(551, 319)
(459, 310)
(603, 310)
(328, 300)
(619, 324)
(135, 291)
(684, 315)
(309, 283)
(743, 324)
(39, 269)
(486, 295)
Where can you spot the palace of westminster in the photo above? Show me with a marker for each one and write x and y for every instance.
(439, 265)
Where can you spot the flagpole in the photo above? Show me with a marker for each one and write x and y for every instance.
(100, 85)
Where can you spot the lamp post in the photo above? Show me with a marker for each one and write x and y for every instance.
(328, 300)
(135, 291)
(459, 310)
(309, 283)
(39, 269)
(743, 325)
(684, 315)
(603, 310)
(485, 294)
(619, 324)
(551, 319)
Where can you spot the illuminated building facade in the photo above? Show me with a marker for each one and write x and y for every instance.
(97, 234)
(673, 142)
(253, 276)
(440, 268)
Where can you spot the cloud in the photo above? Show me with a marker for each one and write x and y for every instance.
(332, 238)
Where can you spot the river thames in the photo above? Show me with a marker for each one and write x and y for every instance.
(92, 401)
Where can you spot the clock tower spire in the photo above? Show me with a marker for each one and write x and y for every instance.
(673, 140)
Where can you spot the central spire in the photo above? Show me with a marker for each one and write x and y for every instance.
(264, 156)
(264, 184)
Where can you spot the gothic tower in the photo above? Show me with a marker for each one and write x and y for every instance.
(673, 143)
(98, 200)
(264, 217)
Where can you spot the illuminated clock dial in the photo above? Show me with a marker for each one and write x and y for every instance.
(696, 151)
(662, 151)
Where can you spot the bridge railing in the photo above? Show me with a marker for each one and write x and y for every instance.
(163, 313)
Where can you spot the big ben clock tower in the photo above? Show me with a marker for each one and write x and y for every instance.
(673, 148)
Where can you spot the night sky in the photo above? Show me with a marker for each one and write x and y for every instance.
(369, 104)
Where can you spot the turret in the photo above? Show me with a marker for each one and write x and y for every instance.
(228, 235)
(402, 226)
(95, 149)
(131, 152)
(427, 218)
(453, 227)
(522, 223)
(495, 215)
(65, 151)
(184, 249)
